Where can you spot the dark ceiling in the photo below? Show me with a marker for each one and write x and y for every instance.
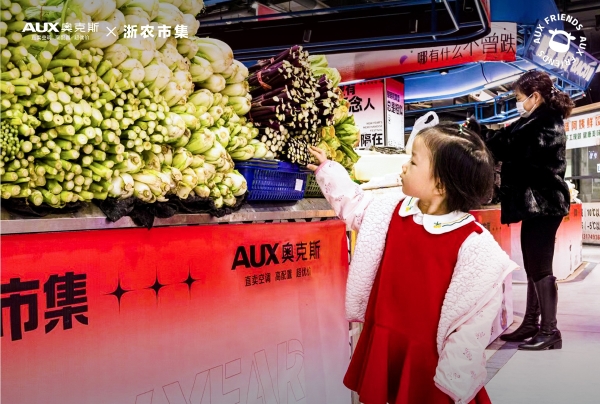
(325, 28)
(586, 11)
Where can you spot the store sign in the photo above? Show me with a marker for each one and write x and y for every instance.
(367, 104)
(179, 315)
(591, 223)
(394, 122)
(498, 46)
(561, 53)
(583, 130)
(79, 30)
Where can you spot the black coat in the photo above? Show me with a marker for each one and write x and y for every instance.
(533, 155)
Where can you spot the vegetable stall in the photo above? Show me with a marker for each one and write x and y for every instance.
(155, 115)
(120, 117)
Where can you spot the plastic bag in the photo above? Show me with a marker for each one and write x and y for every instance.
(421, 124)
(143, 214)
(21, 206)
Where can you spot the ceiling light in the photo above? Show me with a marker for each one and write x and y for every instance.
(443, 72)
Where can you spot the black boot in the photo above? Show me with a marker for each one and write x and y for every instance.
(549, 336)
(531, 324)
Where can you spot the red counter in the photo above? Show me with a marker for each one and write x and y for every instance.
(568, 248)
(183, 314)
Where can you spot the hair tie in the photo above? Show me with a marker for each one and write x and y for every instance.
(554, 90)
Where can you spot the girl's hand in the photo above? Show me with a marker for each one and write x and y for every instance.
(319, 155)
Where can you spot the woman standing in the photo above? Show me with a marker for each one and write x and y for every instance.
(533, 155)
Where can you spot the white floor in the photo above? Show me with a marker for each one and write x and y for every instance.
(570, 375)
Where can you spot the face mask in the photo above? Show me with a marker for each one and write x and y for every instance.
(521, 108)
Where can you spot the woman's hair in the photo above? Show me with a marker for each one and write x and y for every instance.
(461, 163)
(541, 82)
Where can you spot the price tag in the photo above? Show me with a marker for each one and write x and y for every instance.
(299, 184)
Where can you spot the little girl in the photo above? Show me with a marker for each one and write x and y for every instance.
(425, 278)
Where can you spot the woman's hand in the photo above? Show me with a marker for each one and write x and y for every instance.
(319, 155)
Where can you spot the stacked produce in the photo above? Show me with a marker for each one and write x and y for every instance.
(223, 81)
(339, 140)
(320, 67)
(290, 104)
(55, 97)
(104, 115)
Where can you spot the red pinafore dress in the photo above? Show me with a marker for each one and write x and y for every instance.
(396, 356)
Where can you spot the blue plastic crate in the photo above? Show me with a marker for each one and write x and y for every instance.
(272, 180)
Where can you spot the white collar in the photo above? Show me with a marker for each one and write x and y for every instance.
(434, 224)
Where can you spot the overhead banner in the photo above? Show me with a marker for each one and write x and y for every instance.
(394, 122)
(499, 45)
(367, 103)
(583, 130)
(180, 315)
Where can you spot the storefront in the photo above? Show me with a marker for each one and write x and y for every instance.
(583, 140)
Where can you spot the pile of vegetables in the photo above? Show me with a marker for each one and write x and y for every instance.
(320, 67)
(224, 80)
(108, 116)
(339, 140)
(150, 117)
(289, 104)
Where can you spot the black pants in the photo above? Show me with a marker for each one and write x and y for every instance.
(537, 243)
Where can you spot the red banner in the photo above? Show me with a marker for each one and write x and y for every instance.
(181, 315)
(367, 104)
(499, 46)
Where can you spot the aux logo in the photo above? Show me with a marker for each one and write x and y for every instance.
(560, 47)
(554, 46)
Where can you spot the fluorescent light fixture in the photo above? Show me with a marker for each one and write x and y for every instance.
(347, 83)
(506, 80)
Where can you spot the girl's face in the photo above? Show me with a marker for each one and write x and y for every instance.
(417, 174)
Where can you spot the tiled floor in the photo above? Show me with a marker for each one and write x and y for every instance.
(567, 376)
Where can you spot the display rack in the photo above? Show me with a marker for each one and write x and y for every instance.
(92, 218)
